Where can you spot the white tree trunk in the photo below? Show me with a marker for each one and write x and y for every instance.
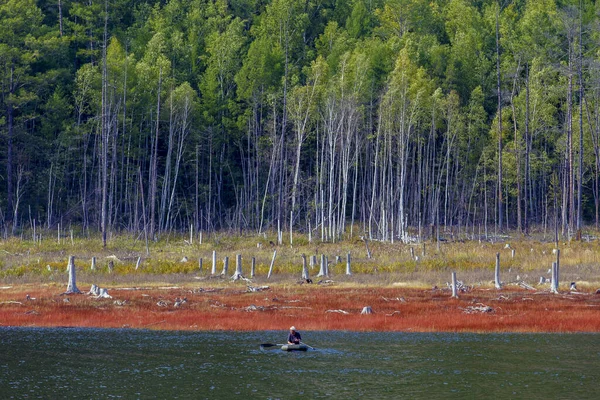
(554, 281)
(454, 292)
(348, 266)
(498, 284)
(272, 264)
(238, 268)
(213, 270)
(225, 266)
(322, 269)
(72, 286)
(304, 268)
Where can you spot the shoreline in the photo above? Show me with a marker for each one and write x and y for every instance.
(232, 307)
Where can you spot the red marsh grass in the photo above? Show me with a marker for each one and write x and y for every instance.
(309, 307)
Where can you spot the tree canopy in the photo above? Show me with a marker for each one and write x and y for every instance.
(376, 118)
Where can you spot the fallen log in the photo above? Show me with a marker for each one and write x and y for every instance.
(338, 312)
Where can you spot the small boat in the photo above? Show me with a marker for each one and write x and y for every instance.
(294, 347)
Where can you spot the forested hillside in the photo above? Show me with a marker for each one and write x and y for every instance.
(370, 117)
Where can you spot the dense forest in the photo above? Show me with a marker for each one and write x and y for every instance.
(335, 117)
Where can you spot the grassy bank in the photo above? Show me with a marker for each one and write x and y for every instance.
(175, 259)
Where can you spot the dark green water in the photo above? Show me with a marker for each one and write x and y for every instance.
(132, 364)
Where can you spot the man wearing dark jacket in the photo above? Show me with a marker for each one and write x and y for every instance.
(294, 336)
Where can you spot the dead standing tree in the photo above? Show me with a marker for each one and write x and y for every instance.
(72, 285)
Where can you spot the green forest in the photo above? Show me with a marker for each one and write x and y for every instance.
(334, 118)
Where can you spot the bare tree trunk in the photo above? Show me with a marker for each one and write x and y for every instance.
(305, 275)
(517, 149)
(580, 169)
(272, 264)
(497, 282)
(72, 285)
(238, 268)
(60, 18)
(527, 153)
(105, 127)
(154, 163)
(498, 89)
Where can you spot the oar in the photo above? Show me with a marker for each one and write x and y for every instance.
(309, 346)
(267, 345)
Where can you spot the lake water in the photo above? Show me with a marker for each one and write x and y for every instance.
(138, 364)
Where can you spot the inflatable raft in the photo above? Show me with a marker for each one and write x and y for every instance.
(294, 347)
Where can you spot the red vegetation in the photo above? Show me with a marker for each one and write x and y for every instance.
(309, 308)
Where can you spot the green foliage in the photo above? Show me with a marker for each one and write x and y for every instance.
(268, 103)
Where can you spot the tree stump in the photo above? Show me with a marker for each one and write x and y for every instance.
(497, 282)
(322, 269)
(238, 268)
(213, 270)
(367, 310)
(72, 285)
(94, 290)
(304, 268)
(348, 265)
(454, 291)
(554, 279)
(225, 266)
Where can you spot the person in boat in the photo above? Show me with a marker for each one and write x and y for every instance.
(294, 336)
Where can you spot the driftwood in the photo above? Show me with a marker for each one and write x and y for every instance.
(479, 308)
(94, 290)
(257, 288)
(400, 299)
(367, 310)
(325, 282)
(179, 302)
(338, 312)
(100, 293)
(525, 285)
